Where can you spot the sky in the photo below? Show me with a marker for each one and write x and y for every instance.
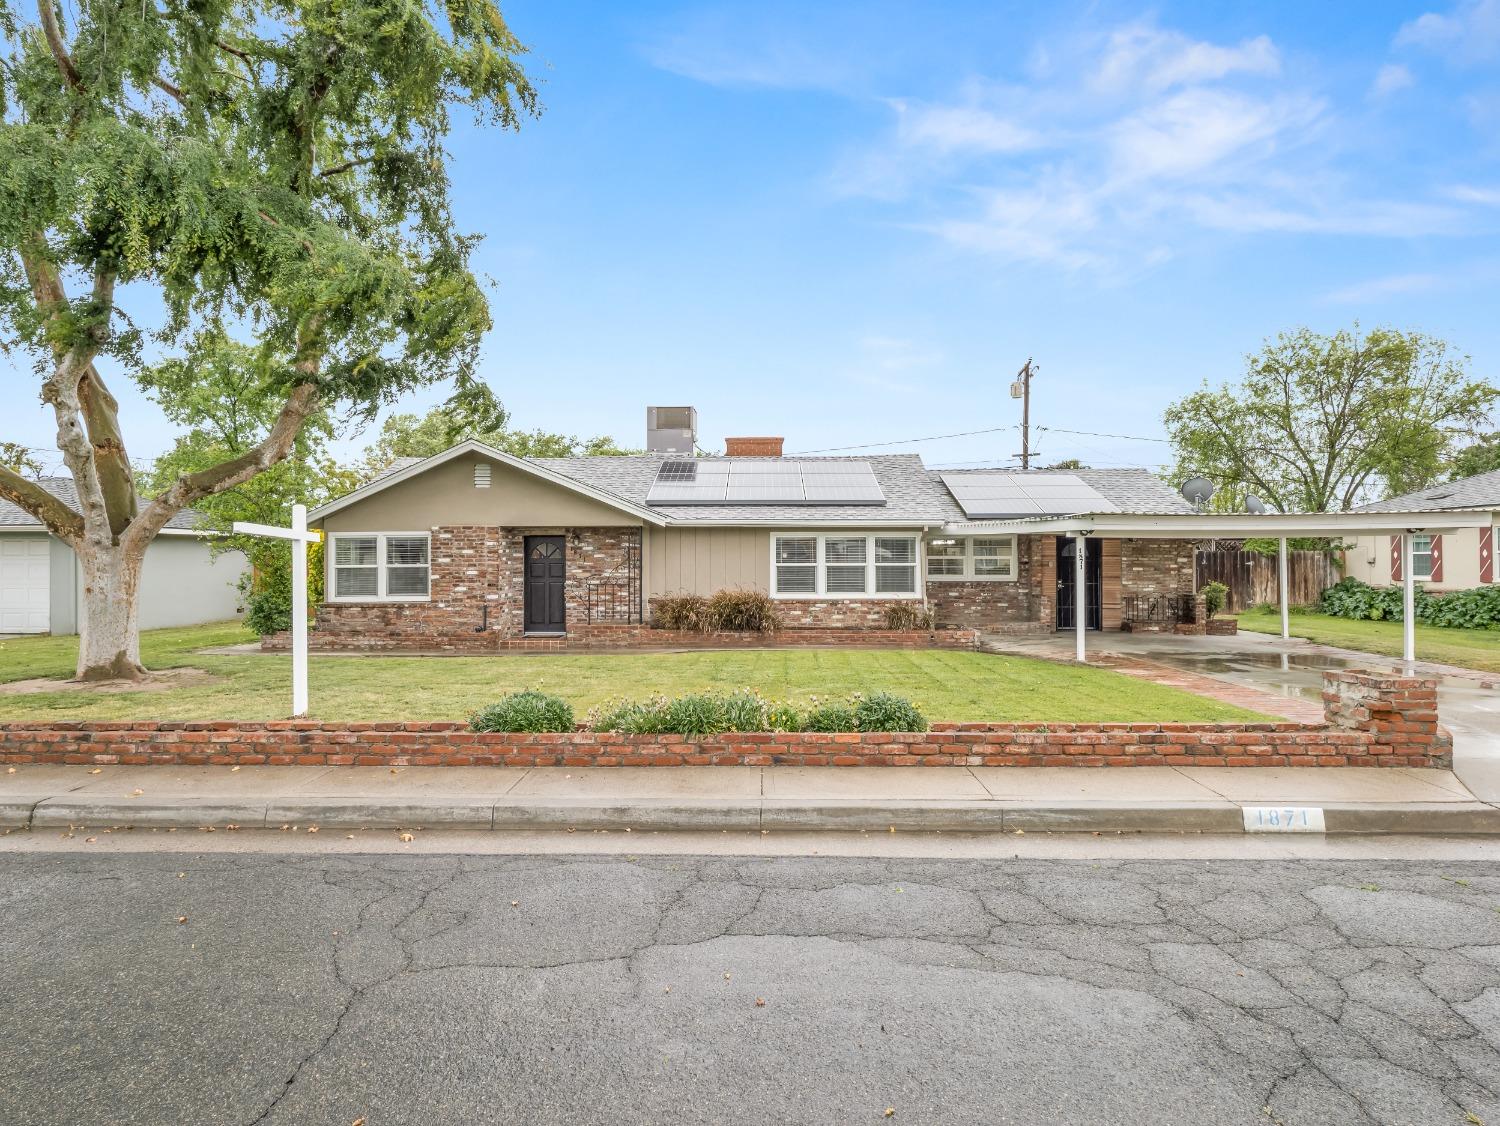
(851, 223)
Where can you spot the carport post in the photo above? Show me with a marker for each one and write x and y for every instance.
(1283, 585)
(1080, 595)
(1408, 602)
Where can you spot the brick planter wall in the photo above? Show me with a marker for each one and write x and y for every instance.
(1371, 721)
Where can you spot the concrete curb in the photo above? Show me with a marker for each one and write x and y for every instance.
(734, 815)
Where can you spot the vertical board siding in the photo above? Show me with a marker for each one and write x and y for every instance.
(1251, 577)
(705, 560)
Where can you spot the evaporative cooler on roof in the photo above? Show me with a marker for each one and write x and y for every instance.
(995, 496)
(748, 481)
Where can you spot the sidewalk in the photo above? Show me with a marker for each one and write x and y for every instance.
(969, 799)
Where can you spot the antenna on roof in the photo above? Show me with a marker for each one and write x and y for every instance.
(1254, 505)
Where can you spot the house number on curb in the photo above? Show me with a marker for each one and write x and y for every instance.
(1283, 819)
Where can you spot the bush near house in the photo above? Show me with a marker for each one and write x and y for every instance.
(1215, 594)
(909, 616)
(1478, 608)
(726, 611)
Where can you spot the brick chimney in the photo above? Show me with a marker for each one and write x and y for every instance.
(752, 447)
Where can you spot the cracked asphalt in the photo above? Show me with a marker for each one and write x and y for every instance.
(160, 988)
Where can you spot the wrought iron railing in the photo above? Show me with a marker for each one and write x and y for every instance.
(1159, 609)
(615, 597)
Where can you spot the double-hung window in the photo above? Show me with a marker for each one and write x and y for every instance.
(1421, 558)
(977, 557)
(843, 565)
(381, 567)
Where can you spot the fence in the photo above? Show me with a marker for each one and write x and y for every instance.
(1251, 577)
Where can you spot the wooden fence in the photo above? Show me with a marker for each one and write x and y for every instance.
(1251, 577)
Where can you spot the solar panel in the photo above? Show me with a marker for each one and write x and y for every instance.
(986, 496)
(764, 481)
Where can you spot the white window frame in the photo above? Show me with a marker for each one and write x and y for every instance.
(1417, 574)
(968, 573)
(820, 565)
(331, 579)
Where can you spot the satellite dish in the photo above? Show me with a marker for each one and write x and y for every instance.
(1254, 505)
(1197, 491)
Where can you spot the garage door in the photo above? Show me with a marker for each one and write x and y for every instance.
(24, 570)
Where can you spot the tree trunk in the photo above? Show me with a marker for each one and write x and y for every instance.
(109, 644)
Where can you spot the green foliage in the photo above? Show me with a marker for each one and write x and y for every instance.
(269, 610)
(909, 616)
(19, 458)
(1321, 423)
(524, 711)
(710, 713)
(680, 611)
(741, 611)
(883, 711)
(1480, 456)
(476, 414)
(1215, 594)
(1478, 608)
(1265, 545)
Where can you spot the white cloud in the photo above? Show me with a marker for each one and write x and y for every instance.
(1195, 129)
(1389, 79)
(1146, 57)
(1470, 33)
(960, 128)
(1469, 193)
(713, 48)
(1378, 289)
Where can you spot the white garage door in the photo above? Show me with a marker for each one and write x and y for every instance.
(24, 571)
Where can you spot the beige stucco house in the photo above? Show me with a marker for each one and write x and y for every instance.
(1458, 560)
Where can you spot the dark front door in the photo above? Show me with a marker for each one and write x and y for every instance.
(546, 575)
(1093, 585)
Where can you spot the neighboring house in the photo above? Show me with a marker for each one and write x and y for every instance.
(183, 582)
(1456, 561)
(472, 546)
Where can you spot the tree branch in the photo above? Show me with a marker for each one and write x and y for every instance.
(27, 494)
(191, 487)
(55, 42)
(346, 166)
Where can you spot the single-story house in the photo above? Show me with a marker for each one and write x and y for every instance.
(473, 548)
(183, 580)
(1460, 560)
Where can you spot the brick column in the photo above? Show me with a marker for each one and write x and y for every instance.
(1399, 713)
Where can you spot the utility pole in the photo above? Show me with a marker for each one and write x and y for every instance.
(1021, 389)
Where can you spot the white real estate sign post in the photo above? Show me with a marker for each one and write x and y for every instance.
(300, 537)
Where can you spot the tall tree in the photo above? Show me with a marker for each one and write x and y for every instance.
(273, 167)
(1480, 456)
(1323, 423)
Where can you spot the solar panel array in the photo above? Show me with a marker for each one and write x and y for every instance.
(751, 481)
(992, 496)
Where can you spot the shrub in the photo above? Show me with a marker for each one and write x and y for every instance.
(268, 611)
(524, 711)
(1215, 594)
(835, 715)
(1464, 609)
(909, 616)
(681, 611)
(632, 717)
(785, 717)
(741, 611)
(885, 712)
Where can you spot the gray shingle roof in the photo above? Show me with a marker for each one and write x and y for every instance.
(1481, 491)
(913, 492)
(13, 516)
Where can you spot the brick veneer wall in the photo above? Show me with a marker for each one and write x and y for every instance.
(1372, 720)
(1026, 605)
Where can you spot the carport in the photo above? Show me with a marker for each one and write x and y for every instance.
(1207, 526)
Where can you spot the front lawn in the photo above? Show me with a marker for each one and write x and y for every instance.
(1466, 648)
(946, 685)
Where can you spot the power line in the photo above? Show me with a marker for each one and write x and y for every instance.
(1097, 434)
(907, 441)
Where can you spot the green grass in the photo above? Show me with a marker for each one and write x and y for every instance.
(1466, 648)
(946, 685)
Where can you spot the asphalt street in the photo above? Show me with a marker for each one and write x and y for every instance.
(170, 988)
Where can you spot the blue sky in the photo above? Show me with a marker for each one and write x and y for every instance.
(851, 223)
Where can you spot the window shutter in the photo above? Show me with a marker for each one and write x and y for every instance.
(1395, 559)
(1437, 559)
(1486, 555)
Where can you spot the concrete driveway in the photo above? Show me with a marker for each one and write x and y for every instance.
(1468, 702)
